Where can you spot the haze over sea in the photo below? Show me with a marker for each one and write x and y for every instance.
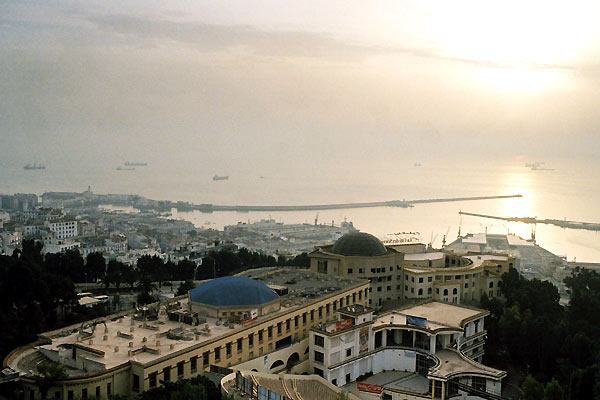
(569, 191)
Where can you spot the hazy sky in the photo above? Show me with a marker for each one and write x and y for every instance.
(236, 83)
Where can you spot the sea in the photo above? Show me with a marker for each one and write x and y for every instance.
(561, 189)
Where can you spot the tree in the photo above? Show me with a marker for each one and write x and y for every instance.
(532, 389)
(185, 287)
(48, 375)
(553, 391)
(95, 266)
(114, 273)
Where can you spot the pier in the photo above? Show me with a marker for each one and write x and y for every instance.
(208, 208)
(563, 223)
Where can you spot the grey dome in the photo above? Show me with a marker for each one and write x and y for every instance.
(359, 244)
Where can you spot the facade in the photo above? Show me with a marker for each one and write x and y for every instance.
(401, 272)
(262, 386)
(63, 228)
(432, 350)
(360, 255)
(132, 352)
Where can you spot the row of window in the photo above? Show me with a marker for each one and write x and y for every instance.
(374, 270)
(84, 393)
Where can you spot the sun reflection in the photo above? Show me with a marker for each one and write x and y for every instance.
(523, 184)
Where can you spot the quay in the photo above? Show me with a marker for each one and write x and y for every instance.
(563, 223)
(208, 208)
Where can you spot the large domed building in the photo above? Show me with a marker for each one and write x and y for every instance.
(233, 295)
(362, 255)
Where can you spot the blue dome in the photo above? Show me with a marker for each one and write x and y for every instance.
(232, 291)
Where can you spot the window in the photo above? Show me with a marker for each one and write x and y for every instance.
(420, 292)
(412, 289)
(350, 270)
(228, 349)
(466, 285)
(406, 288)
(412, 278)
(151, 380)
(448, 277)
(71, 396)
(491, 285)
(84, 395)
(322, 267)
(180, 365)
(430, 279)
(327, 309)
(353, 297)
(379, 288)
(270, 332)
(389, 278)
(429, 291)
(304, 318)
(359, 297)
(361, 270)
(167, 374)
(108, 389)
(389, 288)
(296, 319)
(348, 352)
(455, 291)
(437, 290)
(491, 293)
(421, 280)
(457, 276)
(319, 341)
(194, 363)
(319, 357)
(240, 344)
(217, 353)
(97, 393)
(445, 292)
(320, 311)
(478, 383)
(312, 315)
(205, 358)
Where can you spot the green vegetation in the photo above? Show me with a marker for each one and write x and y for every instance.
(557, 346)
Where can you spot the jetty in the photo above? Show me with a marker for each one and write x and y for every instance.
(208, 208)
(563, 223)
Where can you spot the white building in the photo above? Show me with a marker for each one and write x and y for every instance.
(63, 228)
(429, 351)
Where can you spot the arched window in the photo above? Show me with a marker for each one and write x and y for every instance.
(491, 285)
(445, 292)
(420, 292)
(455, 291)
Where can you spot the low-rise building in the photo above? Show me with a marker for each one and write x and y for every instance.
(428, 351)
(132, 352)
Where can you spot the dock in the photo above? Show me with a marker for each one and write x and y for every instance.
(563, 223)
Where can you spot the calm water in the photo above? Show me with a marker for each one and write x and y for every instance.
(570, 191)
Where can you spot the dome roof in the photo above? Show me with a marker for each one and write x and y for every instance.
(359, 244)
(232, 291)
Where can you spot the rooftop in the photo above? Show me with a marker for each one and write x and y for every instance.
(439, 315)
(106, 342)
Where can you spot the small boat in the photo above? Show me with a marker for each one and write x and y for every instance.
(34, 166)
(220, 177)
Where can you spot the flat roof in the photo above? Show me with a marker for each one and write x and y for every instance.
(436, 255)
(151, 339)
(438, 314)
(452, 363)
